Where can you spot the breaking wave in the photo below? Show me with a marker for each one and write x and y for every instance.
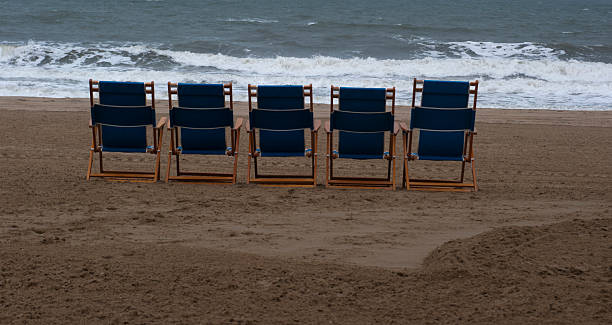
(512, 75)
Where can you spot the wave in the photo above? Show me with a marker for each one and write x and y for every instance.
(251, 20)
(61, 70)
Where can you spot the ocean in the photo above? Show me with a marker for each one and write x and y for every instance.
(547, 54)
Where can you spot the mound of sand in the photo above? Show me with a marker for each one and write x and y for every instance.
(560, 273)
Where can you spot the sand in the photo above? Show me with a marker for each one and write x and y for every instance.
(532, 246)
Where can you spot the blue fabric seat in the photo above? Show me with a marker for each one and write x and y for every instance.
(119, 123)
(276, 137)
(198, 126)
(361, 122)
(445, 125)
(124, 138)
(277, 128)
(368, 145)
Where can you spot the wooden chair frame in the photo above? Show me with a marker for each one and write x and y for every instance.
(360, 182)
(202, 177)
(468, 154)
(96, 144)
(282, 180)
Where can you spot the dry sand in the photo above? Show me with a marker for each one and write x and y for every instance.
(532, 246)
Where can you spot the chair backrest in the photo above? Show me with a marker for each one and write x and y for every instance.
(443, 118)
(123, 113)
(281, 118)
(201, 116)
(362, 120)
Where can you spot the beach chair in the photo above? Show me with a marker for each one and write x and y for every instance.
(198, 126)
(119, 120)
(445, 124)
(276, 128)
(361, 122)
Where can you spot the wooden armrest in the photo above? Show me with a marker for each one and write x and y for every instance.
(317, 125)
(168, 124)
(90, 124)
(474, 132)
(404, 127)
(327, 127)
(247, 125)
(238, 124)
(396, 128)
(161, 122)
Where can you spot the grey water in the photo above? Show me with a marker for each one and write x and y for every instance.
(536, 54)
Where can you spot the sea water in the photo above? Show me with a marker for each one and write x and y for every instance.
(554, 54)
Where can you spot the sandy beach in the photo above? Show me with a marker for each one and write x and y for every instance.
(531, 246)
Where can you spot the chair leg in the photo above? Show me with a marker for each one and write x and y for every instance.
(101, 165)
(237, 139)
(474, 175)
(157, 166)
(249, 170)
(235, 173)
(250, 156)
(178, 168)
(462, 171)
(393, 186)
(404, 160)
(314, 170)
(314, 139)
(90, 163)
(328, 159)
(406, 180)
(168, 167)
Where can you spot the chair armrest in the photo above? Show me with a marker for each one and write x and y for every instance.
(168, 124)
(238, 124)
(474, 132)
(327, 126)
(404, 127)
(161, 122)
(90, 124)
(247, 125)
(396, 128)
(317, 125)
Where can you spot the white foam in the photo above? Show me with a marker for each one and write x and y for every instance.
(251, 20)
(62, 70)
(504, 50)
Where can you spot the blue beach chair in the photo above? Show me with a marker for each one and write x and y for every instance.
(119, 122)
(276, 129)
(198, 126)
(446, 131)
(361, 120)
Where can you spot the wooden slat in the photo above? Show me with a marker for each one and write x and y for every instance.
(284, 176)
(219, 179)
(361, 187)
(207, 174)
(440, 189)
(123, 175)
(441, 184)
(359, 183)
(282, 180)
(288, 184)
(358, 179)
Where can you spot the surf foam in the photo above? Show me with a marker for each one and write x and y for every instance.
(507, 79)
